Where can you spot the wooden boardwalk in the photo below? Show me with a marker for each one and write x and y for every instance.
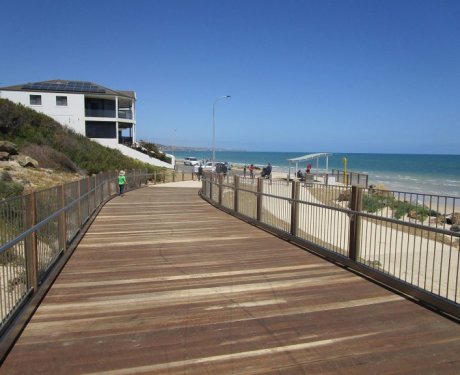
(164, 283)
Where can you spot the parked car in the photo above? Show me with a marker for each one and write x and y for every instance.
(219, 167)
(191, 160)
(208, 166)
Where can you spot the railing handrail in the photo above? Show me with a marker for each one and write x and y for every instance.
(54, 215)
(416, 284)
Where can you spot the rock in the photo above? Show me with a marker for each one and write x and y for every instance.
(412, 214)
(455, 228)
(25, 161)
(9, 147)
(441, 220)
(4, 155)
(455, 218)
(345, 196)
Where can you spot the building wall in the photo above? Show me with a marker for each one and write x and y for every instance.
(72, 115)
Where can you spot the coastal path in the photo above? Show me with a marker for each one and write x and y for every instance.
(164, 283)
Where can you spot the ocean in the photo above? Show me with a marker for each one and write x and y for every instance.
(429, 174)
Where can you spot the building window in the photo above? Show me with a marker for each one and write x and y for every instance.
(61, 100)
(101, 129)
(35, 100)
(99, 107)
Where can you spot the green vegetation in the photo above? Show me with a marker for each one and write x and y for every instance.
(375, 201)
(26, 128)
(151, 149)
(9, 188)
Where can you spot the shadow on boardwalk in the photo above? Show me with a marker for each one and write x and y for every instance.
(165, 283)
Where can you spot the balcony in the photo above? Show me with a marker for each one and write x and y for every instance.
(125, 114)
(110, 113)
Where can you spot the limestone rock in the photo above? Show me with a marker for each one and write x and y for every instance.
(26, 161)
(345, 196)
(9, 147)
(455, 218)
(4, 155)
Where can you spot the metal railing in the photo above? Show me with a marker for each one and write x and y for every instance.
(125, 114)
(407, 241)
(36, 229)
(349, 178)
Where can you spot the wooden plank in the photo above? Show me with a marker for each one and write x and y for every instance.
(165, 283)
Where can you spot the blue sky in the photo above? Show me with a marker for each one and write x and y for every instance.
(338, 76)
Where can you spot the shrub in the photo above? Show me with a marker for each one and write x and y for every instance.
(373, 203)
(10, 189)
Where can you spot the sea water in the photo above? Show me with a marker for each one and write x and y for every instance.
(429, 174)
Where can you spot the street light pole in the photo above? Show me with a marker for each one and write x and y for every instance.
(214, 128)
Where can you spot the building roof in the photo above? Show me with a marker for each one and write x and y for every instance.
(61, 85)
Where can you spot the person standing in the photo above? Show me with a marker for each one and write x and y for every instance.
(196, 167)
(251, 171)
(121, 182)
(200, 172)
(244, 171)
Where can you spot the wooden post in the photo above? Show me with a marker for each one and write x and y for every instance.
(295, 207)
(236, 187)
(79, 203)
(94, 192)
(221, 188)
(183, 176)
(355, 223)
(30, 243)
(62, 227)
(260, 188)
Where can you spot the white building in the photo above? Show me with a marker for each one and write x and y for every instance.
(104, 115)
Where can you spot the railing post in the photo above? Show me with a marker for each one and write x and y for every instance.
(260, 188)
(183, 176)
(30, 243)
(94, 192)
(221, 188)
(210, 185)
(295, 207)
(61, 220)
(102, 191)
(355, 223)
(236, 187)
(174, 176)
(79, 202)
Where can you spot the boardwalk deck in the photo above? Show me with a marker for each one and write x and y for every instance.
(164, 283)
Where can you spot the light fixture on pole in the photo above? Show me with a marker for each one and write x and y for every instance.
(214, 128)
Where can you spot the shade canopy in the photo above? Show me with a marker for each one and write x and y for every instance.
(311, 157)
(304, 158)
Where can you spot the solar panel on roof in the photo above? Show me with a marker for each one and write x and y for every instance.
(71, 86)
